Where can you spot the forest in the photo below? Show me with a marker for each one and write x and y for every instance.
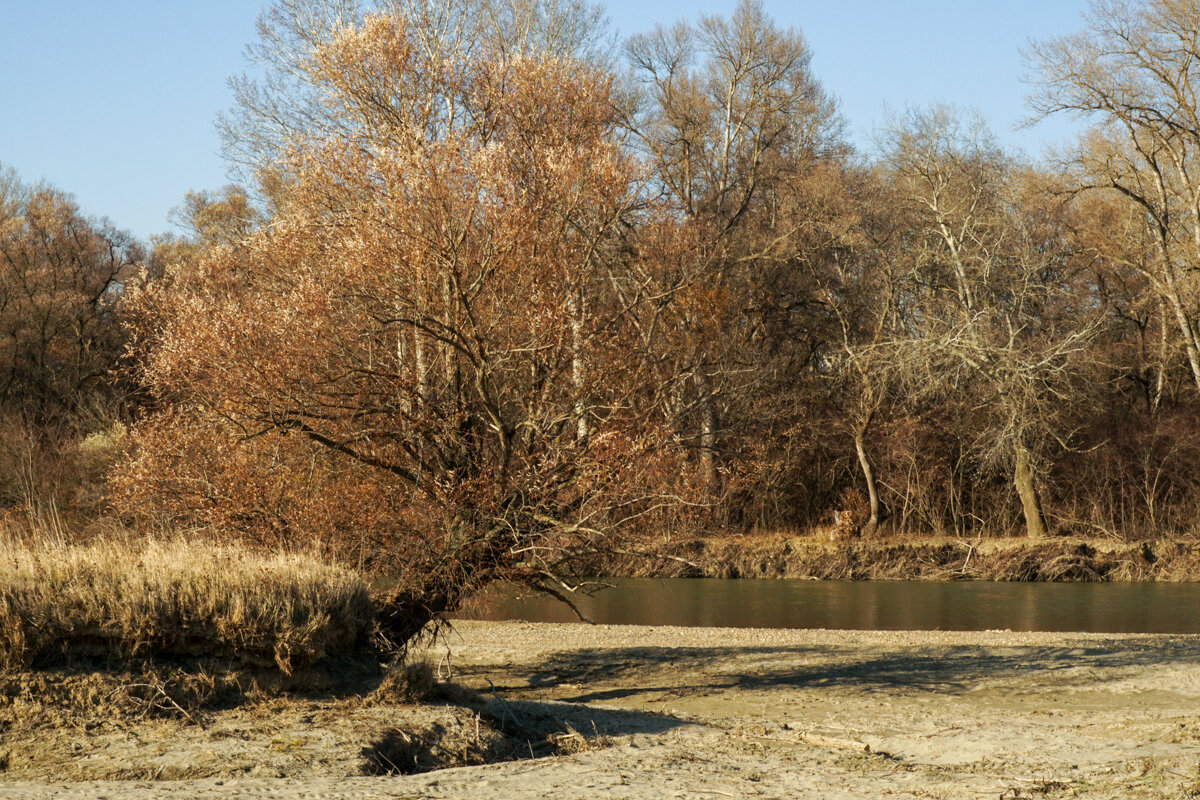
(497, 294)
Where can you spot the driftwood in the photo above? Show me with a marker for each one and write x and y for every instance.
(821, 740)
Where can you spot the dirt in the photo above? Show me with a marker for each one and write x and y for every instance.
(643, 712)
(168, 725)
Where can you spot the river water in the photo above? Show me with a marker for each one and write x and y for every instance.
(869, 605)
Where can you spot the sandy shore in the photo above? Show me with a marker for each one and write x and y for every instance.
(708, 712)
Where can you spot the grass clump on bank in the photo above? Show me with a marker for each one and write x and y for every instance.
(937, 558)
(174, 599)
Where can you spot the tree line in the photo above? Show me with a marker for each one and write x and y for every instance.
(502, 294)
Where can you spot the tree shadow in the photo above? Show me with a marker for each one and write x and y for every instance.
(631, 671)
(507, 731)
(553, 717)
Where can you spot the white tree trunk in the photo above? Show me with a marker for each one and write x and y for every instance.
(708, 432)
(1031, 505)
(869, 476)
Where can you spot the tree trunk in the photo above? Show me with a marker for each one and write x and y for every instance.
(1168, 285)
(402, 365)
(1035, 523)
(869, 475)
(1190, 342)
(404, 614)
(708, 432)
(576, 310)
(424, 385)
(452, 375)
(1160, 378)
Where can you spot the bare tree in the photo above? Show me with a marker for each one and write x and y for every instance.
(735, 126)
(988, 274)
(61, 276)
(1135, 71)
(1141, 339)
(859, 286)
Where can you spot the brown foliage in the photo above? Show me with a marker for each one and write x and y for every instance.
(61, 276)
(63, 403)
(400, 357)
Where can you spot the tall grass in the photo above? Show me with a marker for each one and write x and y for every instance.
(136, 598)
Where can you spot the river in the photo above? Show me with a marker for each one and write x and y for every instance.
(869, 605)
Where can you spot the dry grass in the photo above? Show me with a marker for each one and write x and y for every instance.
(129, 599)
(814, 557)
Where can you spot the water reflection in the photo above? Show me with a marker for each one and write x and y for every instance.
(871, 605)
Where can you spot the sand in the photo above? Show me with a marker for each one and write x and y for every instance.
(714, 712)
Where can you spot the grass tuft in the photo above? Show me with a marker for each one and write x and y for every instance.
(178, 598)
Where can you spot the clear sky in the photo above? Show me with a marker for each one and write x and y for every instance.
(115, 100)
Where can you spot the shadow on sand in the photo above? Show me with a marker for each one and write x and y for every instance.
(631, 671)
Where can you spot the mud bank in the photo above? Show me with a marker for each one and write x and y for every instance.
(817, 558)
(712, 712)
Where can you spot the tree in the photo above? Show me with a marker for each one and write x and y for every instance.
(61, 276)
(414, 237)
(744, 143)
(283, 106)
(1135, 70)
(1111, 233)
(989, 288)
(859, 288)
(208, 220)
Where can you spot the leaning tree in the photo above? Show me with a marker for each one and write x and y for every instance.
(396, 363)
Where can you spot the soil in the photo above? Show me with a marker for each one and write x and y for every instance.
(640, 712)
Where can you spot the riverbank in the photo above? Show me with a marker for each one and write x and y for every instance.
(710, 712)
(815, 557)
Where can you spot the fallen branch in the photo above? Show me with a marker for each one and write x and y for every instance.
(639, 554)
(158, 700)
(820, 740)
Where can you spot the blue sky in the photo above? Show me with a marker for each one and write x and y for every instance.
(114, 101)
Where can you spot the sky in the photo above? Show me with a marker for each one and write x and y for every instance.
(115, 101)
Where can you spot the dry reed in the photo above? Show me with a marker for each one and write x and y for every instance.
(144, 598)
